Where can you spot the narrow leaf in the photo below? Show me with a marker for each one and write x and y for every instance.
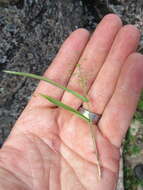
(64, 106)
(49, 81)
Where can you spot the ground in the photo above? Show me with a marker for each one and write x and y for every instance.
(31, 32)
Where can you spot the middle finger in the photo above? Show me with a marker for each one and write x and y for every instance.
(93, 57)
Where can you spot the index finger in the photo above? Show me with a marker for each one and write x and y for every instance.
(61, 67)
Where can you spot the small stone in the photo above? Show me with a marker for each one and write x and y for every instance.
(138, 170)
(135, 127)
(29, 56)
(10, 28)
(2, 21)
(3, 59)
(30, 2)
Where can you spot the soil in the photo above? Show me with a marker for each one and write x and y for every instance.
(31, 32)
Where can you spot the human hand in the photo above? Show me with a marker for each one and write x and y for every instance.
(49, 148)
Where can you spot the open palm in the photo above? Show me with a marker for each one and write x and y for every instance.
(50, 148)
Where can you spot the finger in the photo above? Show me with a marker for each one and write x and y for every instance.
(103, 87)
(119, 111)
(62, 67)
(93, 57)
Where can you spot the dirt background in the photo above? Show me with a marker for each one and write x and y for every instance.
(31, 32)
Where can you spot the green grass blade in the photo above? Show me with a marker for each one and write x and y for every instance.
(84, 99)
(64, 106)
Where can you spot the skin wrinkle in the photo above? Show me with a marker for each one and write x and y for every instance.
(44, 142)
(116, 148)
(72, 168)
(29, 138)
(13, 174)
(113, 146)
(107, 138)
(23, 122)
(69, 166)
(73, 172)
(102, 166)
(8, 147)
(31, 173)
(41, 159)
(82, 158)
(49, 172)
(61, 155)
(114, 133)
(45, 164)
(33, 137)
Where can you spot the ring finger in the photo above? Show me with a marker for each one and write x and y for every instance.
(103, 87)
(92, 58)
